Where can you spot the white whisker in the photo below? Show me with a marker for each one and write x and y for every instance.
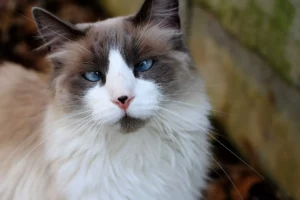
(196, 106)
(32, 135)
(208, 155)
(40, 143)
(180, 117)
(82, 125)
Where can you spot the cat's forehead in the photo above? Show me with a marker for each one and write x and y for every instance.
(120, 31)
(134, 42)
(108, 23)
(109, 29)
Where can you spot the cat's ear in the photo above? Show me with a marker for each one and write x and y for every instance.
(162, 12)
(53, 30)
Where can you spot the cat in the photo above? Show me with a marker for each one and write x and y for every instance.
(124, 117)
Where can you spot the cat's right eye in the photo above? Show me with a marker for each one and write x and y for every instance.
(92, 76)
(144, 65)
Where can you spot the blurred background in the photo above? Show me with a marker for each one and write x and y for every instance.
(248, 53)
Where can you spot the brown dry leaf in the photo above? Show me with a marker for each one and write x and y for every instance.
(244, 185)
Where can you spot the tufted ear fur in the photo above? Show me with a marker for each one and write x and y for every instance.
(53, 30)
(162, 12)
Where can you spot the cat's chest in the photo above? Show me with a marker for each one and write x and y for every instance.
(123, 167)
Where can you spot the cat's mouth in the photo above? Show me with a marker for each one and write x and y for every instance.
(130, 124)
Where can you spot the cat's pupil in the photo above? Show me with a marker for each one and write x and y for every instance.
(92, 76)
(144, 65)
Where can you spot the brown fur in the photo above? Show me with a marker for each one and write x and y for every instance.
(24, 97)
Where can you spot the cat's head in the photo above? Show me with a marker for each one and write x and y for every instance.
(122, 69)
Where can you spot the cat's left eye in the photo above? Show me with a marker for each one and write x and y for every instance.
(144, 65)
(92, 76)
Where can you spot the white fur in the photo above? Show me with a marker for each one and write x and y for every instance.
(120, 79)
(164, 160)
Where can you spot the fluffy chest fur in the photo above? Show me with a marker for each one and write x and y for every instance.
(166, 159)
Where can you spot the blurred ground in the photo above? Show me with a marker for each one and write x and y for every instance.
(246, 183)
(18, 40)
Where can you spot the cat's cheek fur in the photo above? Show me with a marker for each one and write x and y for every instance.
(97, 99)
(144, 105)
(147, 100)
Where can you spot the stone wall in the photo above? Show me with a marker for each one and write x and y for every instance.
(248, 53)
(261, 110)
(269, 27)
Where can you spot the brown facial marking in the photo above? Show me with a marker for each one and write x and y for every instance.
(136, 43)
(129, 124)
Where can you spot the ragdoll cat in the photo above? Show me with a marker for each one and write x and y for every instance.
(124, 118)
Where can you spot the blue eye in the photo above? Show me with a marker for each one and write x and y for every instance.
(144, 65)
(92, 76)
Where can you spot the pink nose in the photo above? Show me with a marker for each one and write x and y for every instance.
(123, 102)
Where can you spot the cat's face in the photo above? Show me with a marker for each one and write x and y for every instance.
(121, 69)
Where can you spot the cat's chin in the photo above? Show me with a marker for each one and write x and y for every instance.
(130, 124)
(124, 121)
